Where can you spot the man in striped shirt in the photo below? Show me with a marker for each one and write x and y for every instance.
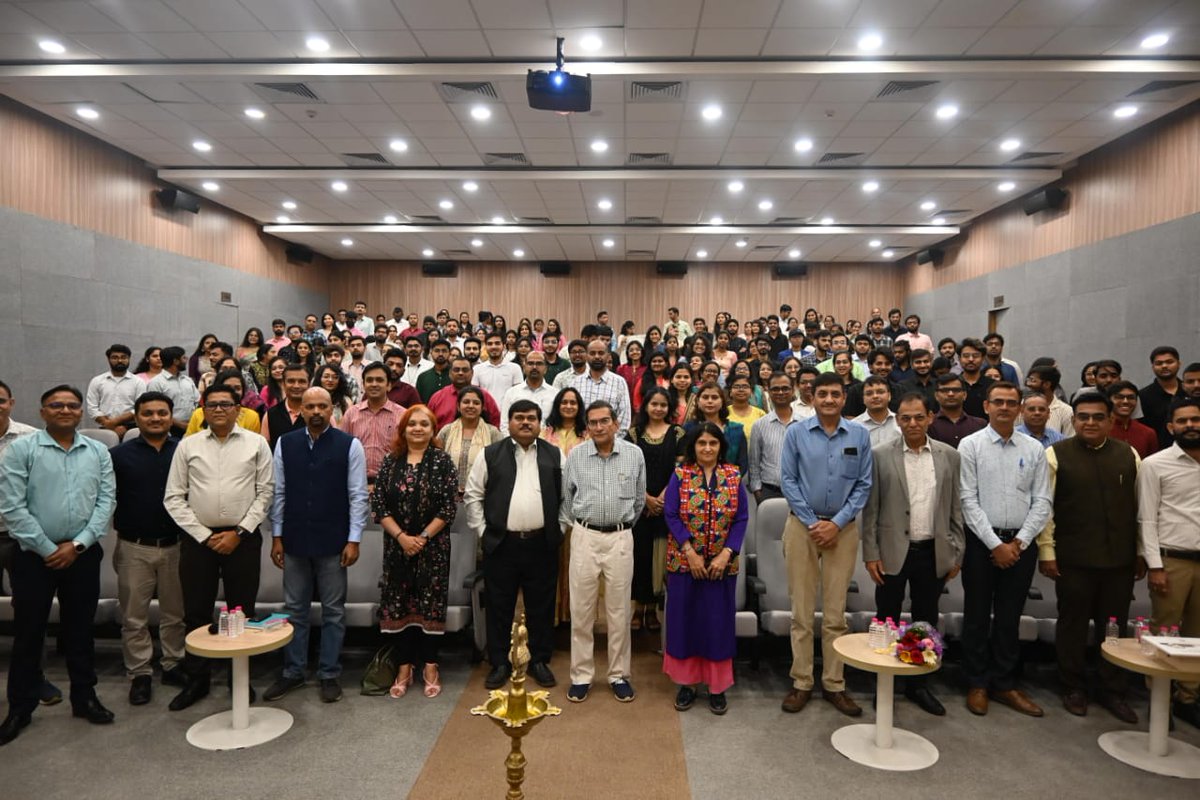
(598, 383)
(766, 446)
(373, 421)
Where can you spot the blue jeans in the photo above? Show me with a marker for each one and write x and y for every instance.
(301, 574)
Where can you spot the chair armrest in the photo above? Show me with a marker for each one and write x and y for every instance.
(1035, 593)
(757, 585)
(473, 579)
(852, 588)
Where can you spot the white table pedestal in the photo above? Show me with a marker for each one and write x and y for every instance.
(1154, 751)
(880, 745)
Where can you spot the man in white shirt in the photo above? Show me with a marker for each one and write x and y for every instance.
(110, 395)
(682, 329)
(534, 388)
(452, 335)
(174, 382)
(398, 323)
(802, 406)
(496, 376)
(878, 419)
(415, 363)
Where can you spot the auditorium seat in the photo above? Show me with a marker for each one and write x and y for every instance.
(775, 606)
(102, 435)
(132, 433)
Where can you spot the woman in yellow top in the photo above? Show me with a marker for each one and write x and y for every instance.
(564, 427)
(247, 418)
(740, 409)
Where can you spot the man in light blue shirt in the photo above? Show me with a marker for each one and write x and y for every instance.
(57, 494)
(317, 516)
(1035, 414)
(1006, 503)
(826, 473)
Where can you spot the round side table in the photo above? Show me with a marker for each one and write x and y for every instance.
(1154, 751)
(241, 726)
(880, 745)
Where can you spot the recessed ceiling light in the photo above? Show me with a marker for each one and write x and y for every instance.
(701, 254)
(477, 243)
(202, 145)
(347, 242)
(1155, 40)
(283, 219)
(870, 41)
(427, 253)
(518, 253)
(802, 145)
(875, 243)
(339, 186)
(604, 205)
(256, 113)
(51, 46)
(948, 111)
(390, 219)
(470, 186)
(740, 243)
(609, 243)
(711, 112)
(765, 205)
(888, 253)
(290, 205)
(928, 205)
(87, 113)
(498, 220)
(398, 145)
(870, 186)
(316, 44)
(1008, 145)
(481, 113)
(938, 220)
(590, 42)
(211, 186)
(1124, 112)
(445, 205)
(826, 220)
(735, 186)
(1007, 186)
(793, 253)
(717, 220)
(599, 146)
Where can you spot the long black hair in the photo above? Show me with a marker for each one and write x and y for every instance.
(554, 419)
(642, 418)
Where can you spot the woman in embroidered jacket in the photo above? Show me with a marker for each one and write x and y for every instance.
(706, 510)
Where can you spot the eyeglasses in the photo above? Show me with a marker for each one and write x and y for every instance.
(1090, 417)
(596, 423)
(1004, 403)
(1125, 398)
(219, 405)
(59, 406)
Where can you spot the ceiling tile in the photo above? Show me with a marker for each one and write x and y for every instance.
(742, 14)
(815, 14)
(385, 44)
(183, 45)
(800, 41)
(654, 41)
(445, 15)
(363, 15)
(587, 13)
(502, 14)
(1039, 12)
(452, 43)
(216, 15)
(143, 16)
(970, 13)
(662, 13)
(730, 41)
(891, 14)
(117, 45)
(1011, 41)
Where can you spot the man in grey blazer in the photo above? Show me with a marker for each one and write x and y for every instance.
(913, 525)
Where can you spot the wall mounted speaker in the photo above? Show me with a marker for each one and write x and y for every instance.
(672, 267)
(555, 267)
(299, 254)
(1050, 198)
(790, 269)
(438, 268)
(178, 200)
(932, 255)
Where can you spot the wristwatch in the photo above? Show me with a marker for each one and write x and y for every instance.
(242, 532)
(425, 535)
(1021, 543)
(80, 547)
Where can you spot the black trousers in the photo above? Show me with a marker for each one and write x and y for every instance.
(919, 576)
(415, 646)
(530, 566)
(200, 570)
(1085, 594)
(993, 600)
(34, 586)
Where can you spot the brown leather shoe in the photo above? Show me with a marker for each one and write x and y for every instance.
(1017, 701)
(977, 701)
(842, 702)
(796, 700)
(1075, 702)
(1119, 708)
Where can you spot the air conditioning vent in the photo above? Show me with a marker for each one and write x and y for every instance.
(951, 212)
(364, 159)
(467, 92)
(788, 221)
(505, 159)
(656, 91)
(906, 90)
(642, 159)
(425, 219)
(1163, 86)
(458, 253)
(639, 254)
(287, 93)
(643, 220)
(763, 248)
(1030, 155)
(842, 158)
(535, 221)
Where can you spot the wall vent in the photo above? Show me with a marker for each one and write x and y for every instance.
(364, 159)
(425, 219)
(643, 159)
(287, 92)
(1163, 86)
(906, 90)
(467, 92)
(639, 254)
(505, 159)
(656, 91)
(643, 220)
(535, 221)
(1030, 155)
(842, 158)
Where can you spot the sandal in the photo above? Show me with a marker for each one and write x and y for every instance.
(652, 621)
(432, 687)
(404, 679)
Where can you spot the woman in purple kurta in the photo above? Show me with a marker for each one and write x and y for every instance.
(706, 510)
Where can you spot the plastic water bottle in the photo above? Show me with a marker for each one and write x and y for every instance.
(873, 634)
(1112, 632)
(239, 621)
(1139, 628)
(223, 622)
(1174, 633)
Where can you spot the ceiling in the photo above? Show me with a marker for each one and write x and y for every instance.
(843, 153)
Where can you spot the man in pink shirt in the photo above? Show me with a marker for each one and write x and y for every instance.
(374, 420)
(916, 340)
(279, 341)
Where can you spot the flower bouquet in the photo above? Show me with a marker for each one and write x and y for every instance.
(920, 645)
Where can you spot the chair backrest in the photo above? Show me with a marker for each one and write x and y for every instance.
(463, 549)
(102, 435)
(362, 579)
(132, 433)
(750, 544)
(770, 519)
(740, 590)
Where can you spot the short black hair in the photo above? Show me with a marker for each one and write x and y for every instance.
(880, 353)
(828, 379)
(995, 386)
(7, 390)
(62, 387)
(1117, 386)
(949, 378)
(920, 352)
(1192, 367)
(374, 365)
(1164, 350)
(172, 354)
(875, 380)
(1182, 401)
(972, 343)
(600, 405)
(117, 348)
(995, 336)
(1110, 363)
(521, 406)
(920, 396)
(152, 397)
(220, 388)
(1047, 374)
(1091, 396)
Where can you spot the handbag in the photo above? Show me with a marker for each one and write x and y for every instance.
(380, 673)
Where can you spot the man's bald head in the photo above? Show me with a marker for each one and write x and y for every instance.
(316, 407)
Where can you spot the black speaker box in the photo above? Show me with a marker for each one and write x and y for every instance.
(299, 253)
(672, 267)
(790, 269)
(177, 199)
(555, 267)
(1050, 198)
(932, 255)
(439, 268)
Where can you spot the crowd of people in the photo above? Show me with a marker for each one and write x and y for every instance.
(613, 468)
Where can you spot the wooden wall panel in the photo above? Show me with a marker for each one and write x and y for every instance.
(53, 171)
(1145, 178)
(627, 290)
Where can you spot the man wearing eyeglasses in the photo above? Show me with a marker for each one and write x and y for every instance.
(1141, 437)
(1006, 503)
(766, 449)
(219, 491)
(952, 424)
(56, 494)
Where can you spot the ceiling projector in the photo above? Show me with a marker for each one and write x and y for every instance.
(558, 90)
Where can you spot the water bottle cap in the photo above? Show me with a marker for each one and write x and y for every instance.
(1112, 619)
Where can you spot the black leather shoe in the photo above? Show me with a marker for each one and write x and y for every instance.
(190, 694)
(174, 677)
(498, 676)
(541, 673)
(93, 712)
(12, 725)
(49, 694)
(331, 690)
(925, 700)
(717, 703)
(140, 690)
(281, 687)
